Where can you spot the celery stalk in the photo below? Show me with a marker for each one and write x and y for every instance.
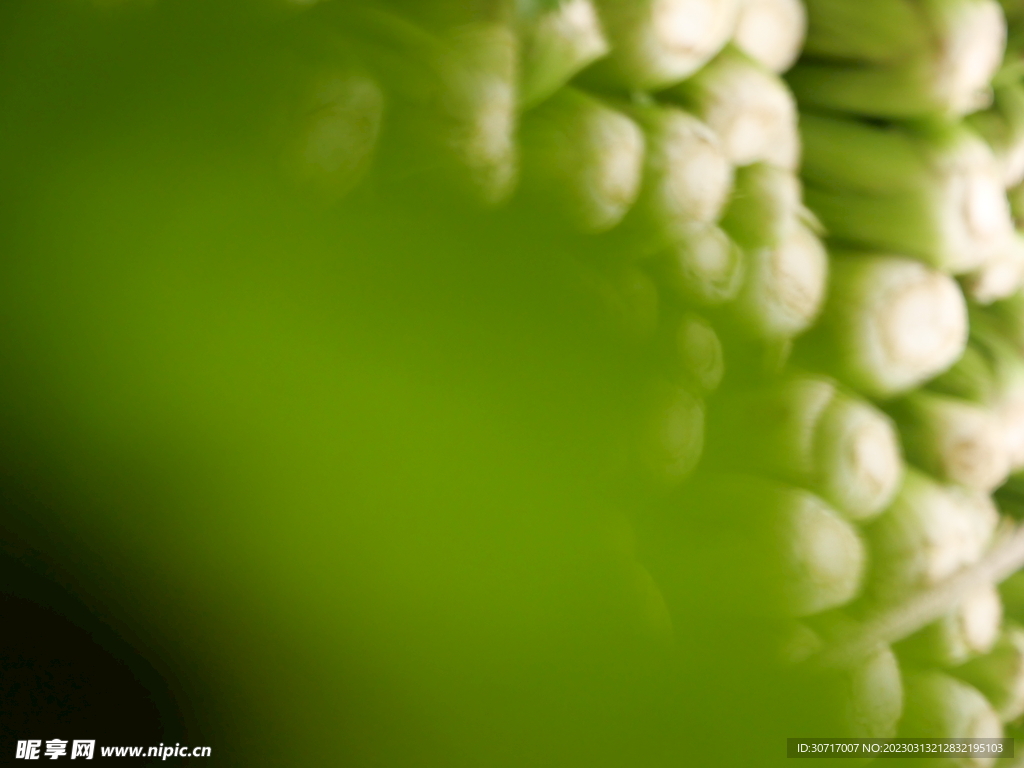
(671, 435)
(695, 353)
(929, 533)
(953, 439)
(933, 191)
(456, 95)
(999, 277)
(704, 267)
(824, 560)
(771, 32)
(1002, 127)
(873, 700)
(785, 286)
(969, 630)
(889, 323)
(749, 107)
(939, 706)
(582, 157)
(687, 176)
(780, 551)
(859, 462)
(999, 675)
(765, 208)
(557, 45)
(656, 43)
(809, 432)
(900, 58)
(991, 374)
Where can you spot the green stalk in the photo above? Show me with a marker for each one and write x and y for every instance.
(969, 630)
(859, 462)
(824, 561)
(765, 208)
(953, 439)
(873, 697)
(671, 436)
(929, 533)
(776, 550)
(938, 706)
(772, 32)
(875, 31)
(991, 374)
(900, 58)
(1008, 314)
(797, 643)
(445, 15)
(869, 694)
(1012, 592)
(999, 675)
(1015, 196)
(704, 267)
(583, 158)
(889, 323)
(1002, 127)
(630, 299)
(687, 177)
(999, 277)
(809, 432)
(336, 128)
(557, 44)
(786, 264)
(774, 429)
(456, 95)
(933, 191)
(694, 353)
(749, 107)
(656, 43)
(785, 286)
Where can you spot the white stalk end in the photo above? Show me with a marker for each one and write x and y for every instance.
(557, 46)
(785, 286)
(480, 103)
(824, 555)
(859, 463)
(999, 277)
(656, 43)
(873, 697)
(941, 707)
(772, 32)
(893, 322)
(584, 157)
(955, 440)
(750, 108)
(929, 533)
(687, 176)
(1000, 674)
(704, 267)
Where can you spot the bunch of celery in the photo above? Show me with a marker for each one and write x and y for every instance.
(865, 205)
(900, 58)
